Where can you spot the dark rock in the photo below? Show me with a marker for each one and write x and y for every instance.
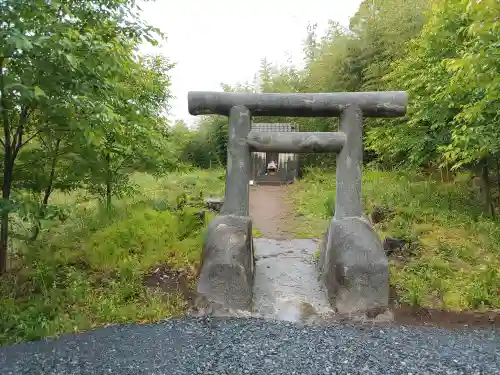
(380, 214)
(392, 245)
(354, 267)
(214, 204)
(227, 269)
(201, 216)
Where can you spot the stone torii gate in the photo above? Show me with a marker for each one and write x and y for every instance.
(353, 264)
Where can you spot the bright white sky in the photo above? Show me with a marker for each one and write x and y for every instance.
(205, 38)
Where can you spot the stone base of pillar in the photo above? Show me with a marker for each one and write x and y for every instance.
(227, 268)
(354, 267)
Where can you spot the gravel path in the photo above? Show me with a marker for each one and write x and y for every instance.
(253, 346)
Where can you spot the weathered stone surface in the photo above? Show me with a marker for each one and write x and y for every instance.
(286, 284)
(354, 267)
(227, 268)
(373, 104)
(348, 197)
(295, 142)
(239, 166)
(353, 263)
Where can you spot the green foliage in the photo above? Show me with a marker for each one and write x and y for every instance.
(78, 106)
(84, 117)
(451, 72)
(66, 287)
(89, 271)
(444, 53)
(343, 59)
(456, 261)
(207, 147)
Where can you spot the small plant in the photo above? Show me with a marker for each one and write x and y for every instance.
(256, 233)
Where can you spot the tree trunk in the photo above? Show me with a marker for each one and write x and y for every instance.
(6, 190)
(8, 165)
(108, 182)
(47, 192)
(485, 179)
(12, 143)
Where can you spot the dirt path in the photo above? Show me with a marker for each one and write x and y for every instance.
(286, 286)
(271, 215)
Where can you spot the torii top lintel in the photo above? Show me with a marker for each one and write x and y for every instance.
(372, 104)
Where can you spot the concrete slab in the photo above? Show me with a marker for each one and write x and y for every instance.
(286, 285)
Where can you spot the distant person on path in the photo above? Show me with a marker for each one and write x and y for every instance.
(271, 168)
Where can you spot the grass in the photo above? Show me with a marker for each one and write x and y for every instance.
(256, 233)
(89, 271)
(456, 262)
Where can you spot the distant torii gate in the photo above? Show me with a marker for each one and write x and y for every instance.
(353, 264)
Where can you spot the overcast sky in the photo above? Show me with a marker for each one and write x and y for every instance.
(223, 41)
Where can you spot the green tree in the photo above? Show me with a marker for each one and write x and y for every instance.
(136, 136)
(451, 72)
(62, 64)
(380, 28)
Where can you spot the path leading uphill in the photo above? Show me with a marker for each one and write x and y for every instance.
(271, 215)
(286, 285)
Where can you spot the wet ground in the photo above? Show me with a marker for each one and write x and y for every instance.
(286, 286)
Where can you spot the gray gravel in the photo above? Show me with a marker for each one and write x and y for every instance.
(255, 346)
